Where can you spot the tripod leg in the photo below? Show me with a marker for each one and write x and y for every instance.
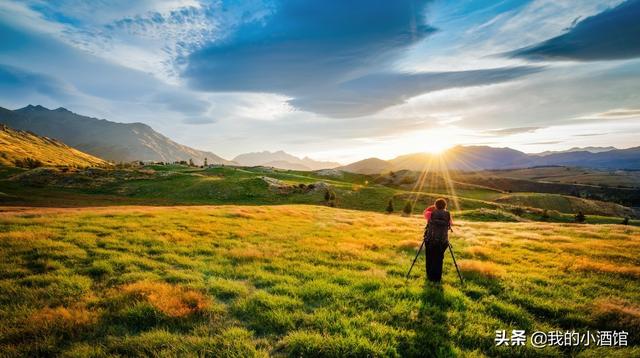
(415, 259)
(455, 263)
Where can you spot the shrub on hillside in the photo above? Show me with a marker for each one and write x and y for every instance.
(389, 208)
(408, 208)
(29, 163)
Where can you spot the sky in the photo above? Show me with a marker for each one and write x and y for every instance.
(335, 80)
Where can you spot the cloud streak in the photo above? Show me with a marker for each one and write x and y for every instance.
(610, 35)
(511, 131)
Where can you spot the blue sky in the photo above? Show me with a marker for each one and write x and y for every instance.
(337, 80)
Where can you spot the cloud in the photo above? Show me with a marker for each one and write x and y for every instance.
(332, 58)
(545, 142)
(510, 131)
(611, 115)
(610, 35)
(16, 82)
(372, 93)
(620, 113)
(589, 134)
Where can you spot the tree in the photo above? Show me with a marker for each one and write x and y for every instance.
(327, 195)
(389, 208)
(545, 215)
(625, 221)
(580, 218)
(205, 162)
(332, 196)
(191, 163)
(408, 208)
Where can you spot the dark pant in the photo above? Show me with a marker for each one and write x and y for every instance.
(434, 255)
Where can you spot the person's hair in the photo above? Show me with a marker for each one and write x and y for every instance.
(441, 204)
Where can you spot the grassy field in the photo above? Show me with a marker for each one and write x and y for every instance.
(181, 185)
(298, 280)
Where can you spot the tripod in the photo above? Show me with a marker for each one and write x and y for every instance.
(452, 256)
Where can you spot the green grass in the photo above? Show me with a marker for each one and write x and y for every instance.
(299, 280)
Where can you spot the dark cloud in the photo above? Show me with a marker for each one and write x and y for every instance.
(510, 131)
(372, 93)
(18, 82)
(331, 57)
(610, 35)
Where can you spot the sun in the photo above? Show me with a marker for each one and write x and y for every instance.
(437, 141)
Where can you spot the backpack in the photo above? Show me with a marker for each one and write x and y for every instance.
(439, 225)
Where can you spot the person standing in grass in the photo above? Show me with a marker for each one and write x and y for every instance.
(436, 238)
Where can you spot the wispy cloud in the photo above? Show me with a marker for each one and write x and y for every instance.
(511, 131)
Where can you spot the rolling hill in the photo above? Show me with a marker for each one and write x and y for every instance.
(118, 142)
(368, 166)
(282, 160)
(18, 147)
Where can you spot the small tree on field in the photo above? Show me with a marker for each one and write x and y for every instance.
(327, 195)
(408, 209)
(389, 208)
(332, 196)
(625, 221)
(545, 215)
(191, 163)
(205, 162)
(580, 218)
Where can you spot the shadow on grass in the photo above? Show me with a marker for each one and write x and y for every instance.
(432, 337)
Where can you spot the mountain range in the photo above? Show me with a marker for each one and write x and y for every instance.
(282, 160)
(118, 142)
(483, 157)
(124, 142)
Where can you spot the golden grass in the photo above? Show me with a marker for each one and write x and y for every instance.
(19, 145)
(408, 244)
(478, 251)
(617, 312)
(483, 268)
(68, 319)
(584, 264)
(172, 300)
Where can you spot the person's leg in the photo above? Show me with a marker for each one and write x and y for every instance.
(432, 262)
(441, 251)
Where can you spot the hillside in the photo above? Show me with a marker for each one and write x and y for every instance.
(572, 175)
(368, 166)
(281, 160)
(218, 281)
(565, 204)
(17, 146)
(119, 142)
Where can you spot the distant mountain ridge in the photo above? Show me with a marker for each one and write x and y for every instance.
(18, 147)
(578, 149)
(472, 158)
(118, 142)
(282, 160)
